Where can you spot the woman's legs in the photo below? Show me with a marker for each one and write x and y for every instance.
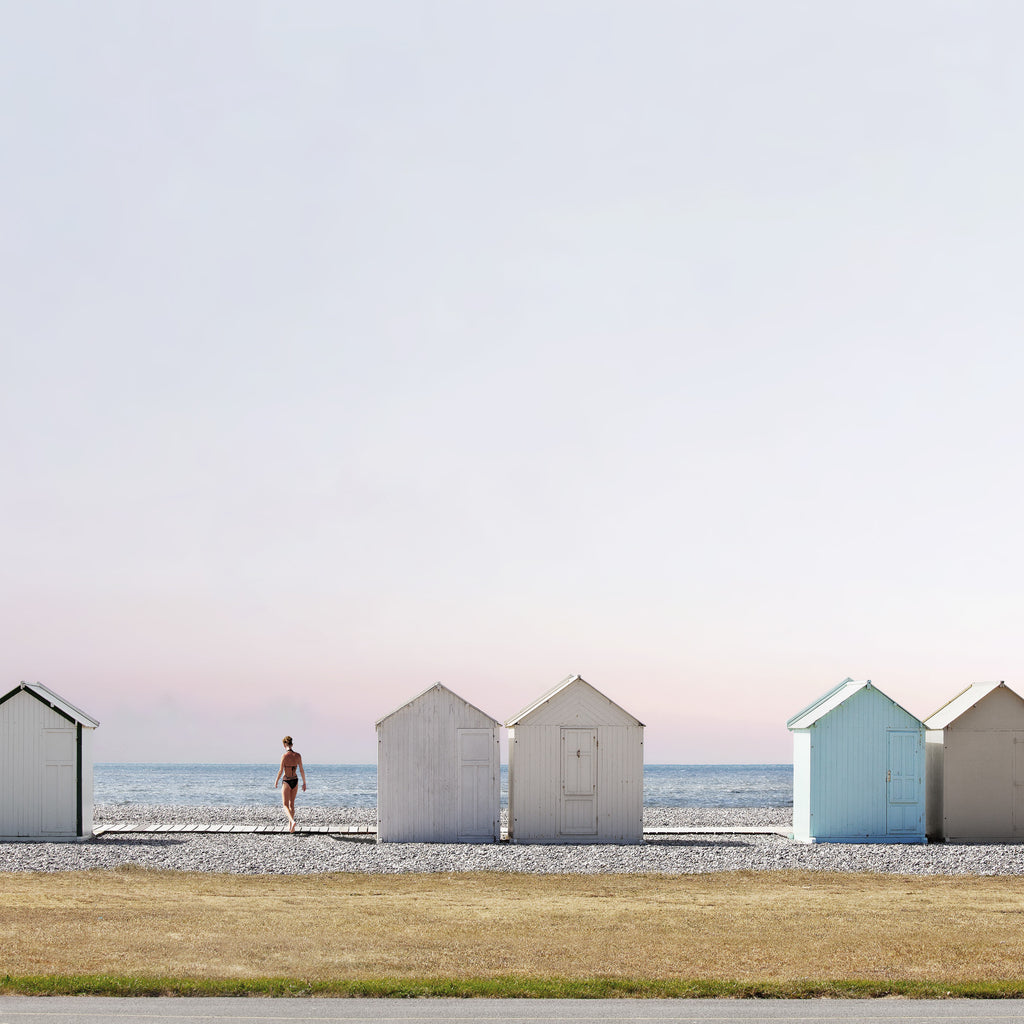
(288, 799)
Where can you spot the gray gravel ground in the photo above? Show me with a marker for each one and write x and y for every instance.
(272, 853)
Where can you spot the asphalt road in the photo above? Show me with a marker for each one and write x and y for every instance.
(89, 1010)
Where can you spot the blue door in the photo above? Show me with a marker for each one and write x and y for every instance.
(903, 783)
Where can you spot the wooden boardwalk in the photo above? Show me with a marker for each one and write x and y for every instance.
(786, 831)
(212, 827)
(136, 827)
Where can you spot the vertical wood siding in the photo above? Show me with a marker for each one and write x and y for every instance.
(620, 785)
(537, 766)
(848, 785)
(87, 781)
(802, 785)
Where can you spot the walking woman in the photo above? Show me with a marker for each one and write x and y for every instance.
(289, 762)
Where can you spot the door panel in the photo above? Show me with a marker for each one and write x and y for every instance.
(903, 782)
(1018, 784)
(59, 810)
(59, 746)
(476, 778)
(58, 798)
(579, 782)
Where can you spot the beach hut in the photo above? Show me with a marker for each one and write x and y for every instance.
(975, 766)
(575, 769)
(438, 772)
(46, 760)
(858, 769)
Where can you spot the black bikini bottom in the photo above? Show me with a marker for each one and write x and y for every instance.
(292, 782)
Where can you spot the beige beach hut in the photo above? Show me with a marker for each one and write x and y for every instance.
(975, 765)
(46, 759)
(438, 772)
(575, 769)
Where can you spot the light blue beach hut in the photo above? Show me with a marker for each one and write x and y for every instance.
(858, 769)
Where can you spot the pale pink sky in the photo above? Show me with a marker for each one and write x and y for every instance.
(348, 348)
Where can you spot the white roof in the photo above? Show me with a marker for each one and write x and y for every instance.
(826, 703)
(55, 701)
(961, 703)
(554, 691)
(831, 700)
(430, 689)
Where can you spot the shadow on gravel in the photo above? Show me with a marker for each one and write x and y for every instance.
(717, 843)
(362, 840)
(134, 843)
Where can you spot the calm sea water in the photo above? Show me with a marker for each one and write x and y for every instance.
(355, 785)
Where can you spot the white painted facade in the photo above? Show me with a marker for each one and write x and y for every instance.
(975, 764)
(46, 760)
(858, 769)
(438, 772)
(575, 769)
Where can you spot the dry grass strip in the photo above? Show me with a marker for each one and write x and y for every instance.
(746, 926)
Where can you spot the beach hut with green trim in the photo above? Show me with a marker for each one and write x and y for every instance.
(858, 769)
(46, 760)
(975, 766)
(438, 772)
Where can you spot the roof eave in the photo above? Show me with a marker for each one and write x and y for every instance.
(552, 693)
(828, 695)
(423, 693)
(55, 701)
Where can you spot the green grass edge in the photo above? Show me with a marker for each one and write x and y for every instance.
(508, 987)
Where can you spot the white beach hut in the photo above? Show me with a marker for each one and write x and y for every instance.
(438, 772)
(858, 769)
(975, 766)
(575, 769)
(46, 760)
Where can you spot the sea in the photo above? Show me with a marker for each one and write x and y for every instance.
(355, 785)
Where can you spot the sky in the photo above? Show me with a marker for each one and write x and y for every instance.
(350, 347)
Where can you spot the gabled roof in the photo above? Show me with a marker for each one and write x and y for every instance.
(431, 689)
(962, 703)
(555, 691)
(826, 702)
(53, 700)
(831, 700)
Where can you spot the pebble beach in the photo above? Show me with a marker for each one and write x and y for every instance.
(689, 853)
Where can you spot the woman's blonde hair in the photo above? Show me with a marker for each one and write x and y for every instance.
(287, 741)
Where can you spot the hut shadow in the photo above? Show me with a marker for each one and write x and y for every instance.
(359, 839)
(702, 842)
(134, 843)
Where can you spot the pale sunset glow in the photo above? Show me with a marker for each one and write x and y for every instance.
(347, 348)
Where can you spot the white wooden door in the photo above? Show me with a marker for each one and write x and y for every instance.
(1018, 784)
(579, 782)
(59, 810)
(476, 784)
(903, 809)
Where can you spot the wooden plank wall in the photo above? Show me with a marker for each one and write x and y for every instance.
(23, 721)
